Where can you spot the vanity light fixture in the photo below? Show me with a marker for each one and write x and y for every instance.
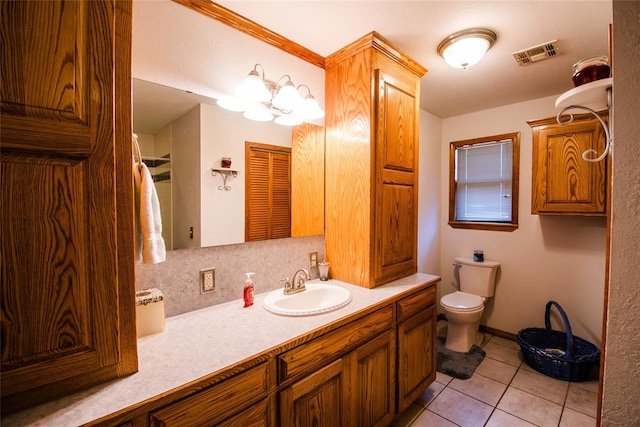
(466, 48)
(263, 100)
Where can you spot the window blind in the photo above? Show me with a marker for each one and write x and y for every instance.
(484, 181)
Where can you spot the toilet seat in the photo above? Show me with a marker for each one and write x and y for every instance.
(462, 302)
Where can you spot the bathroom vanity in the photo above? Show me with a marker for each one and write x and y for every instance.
(228, 365)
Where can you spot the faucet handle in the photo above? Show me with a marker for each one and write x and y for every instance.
(286, 283)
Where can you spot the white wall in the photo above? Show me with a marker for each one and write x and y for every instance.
(185, 179)
(162, 142)
(546, 258)
(429, 194)
(224, 133)
(621, 385)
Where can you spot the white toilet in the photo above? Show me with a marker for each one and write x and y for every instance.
(464, 308)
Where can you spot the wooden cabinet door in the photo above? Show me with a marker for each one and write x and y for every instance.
(395, 211)
(563, 182)
(372, 373)
(67, 198)
(318, 400)
(416, 356)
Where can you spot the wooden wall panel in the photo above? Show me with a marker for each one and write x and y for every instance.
(348, 202)
(307, 180)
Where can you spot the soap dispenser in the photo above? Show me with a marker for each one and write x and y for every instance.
(248, 290)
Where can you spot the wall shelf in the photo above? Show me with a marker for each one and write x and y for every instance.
(153, 162)
(591, 97)
(225, 173)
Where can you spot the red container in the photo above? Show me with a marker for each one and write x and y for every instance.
(590, 69)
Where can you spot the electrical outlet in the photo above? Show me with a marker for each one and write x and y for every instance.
(207, 280)
(313, 259)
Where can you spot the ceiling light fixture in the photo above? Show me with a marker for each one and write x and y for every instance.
(466, 48)
(264, 100)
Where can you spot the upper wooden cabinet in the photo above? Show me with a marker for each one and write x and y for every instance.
(563, 183)
(68, 319)
(371, 162)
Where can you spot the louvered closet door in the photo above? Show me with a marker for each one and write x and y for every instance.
(267, 192)
(67, 207)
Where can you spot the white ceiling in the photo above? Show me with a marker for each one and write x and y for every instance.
(417, 27)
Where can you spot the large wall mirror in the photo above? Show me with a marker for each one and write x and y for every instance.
(181, 63)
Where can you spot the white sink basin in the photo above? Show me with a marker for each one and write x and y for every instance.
(318, 298)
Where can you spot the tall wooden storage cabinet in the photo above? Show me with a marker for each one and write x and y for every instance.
(68, 319)
(371, 162)
(563, 183)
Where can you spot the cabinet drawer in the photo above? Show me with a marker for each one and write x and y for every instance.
(312, 355)
(217, 402)
(416, 303)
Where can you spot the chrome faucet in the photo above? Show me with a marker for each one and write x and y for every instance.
(297, 284)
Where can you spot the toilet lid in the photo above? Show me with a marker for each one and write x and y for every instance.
(462, 301)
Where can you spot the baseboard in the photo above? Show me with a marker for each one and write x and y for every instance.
(486, 329)
(498, 333)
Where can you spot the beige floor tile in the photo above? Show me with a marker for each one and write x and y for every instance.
(505, 342)
(430, 419)
(460, 409)
(571, 418)
(530, 408)
(591, 386)
(482, 388)
(429, 394)
(502, 419)
(408, 416)
(496, 370)
(527, 367)
(483, 338)
(503, 354)
(443, 378)
(541, 386)
(582, 401)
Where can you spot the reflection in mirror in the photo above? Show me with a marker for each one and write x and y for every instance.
(182, 137)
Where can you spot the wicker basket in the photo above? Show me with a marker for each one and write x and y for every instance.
(558, 354)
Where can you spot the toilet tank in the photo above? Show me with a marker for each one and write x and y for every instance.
(477, 278)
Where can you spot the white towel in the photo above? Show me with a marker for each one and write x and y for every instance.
(149, 242)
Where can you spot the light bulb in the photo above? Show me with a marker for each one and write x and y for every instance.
(288, 120)
(287, 98)
(466, 52)
(253, 89)
(309, 109)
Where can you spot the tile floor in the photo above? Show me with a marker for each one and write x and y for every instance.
(503, 391)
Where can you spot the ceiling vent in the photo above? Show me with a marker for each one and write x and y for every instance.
(537, 53)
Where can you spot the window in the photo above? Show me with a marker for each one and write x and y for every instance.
(483, 183)
(267, 192)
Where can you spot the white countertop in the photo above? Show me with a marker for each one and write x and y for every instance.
(197, 344)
